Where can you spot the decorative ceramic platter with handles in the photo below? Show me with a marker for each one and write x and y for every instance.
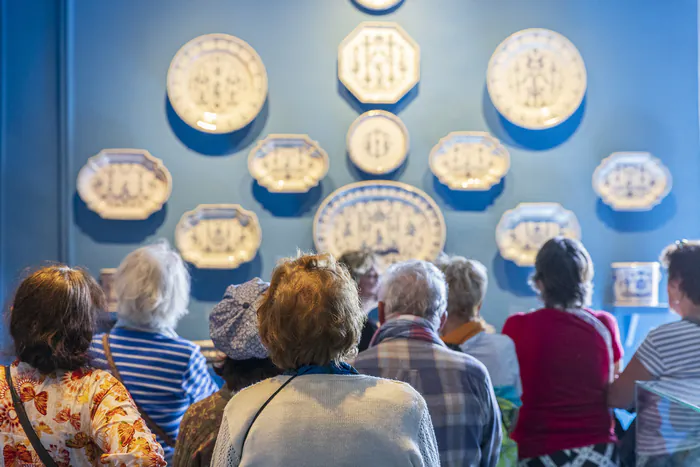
(378, 62)
(378, 5)
(632, 181)
(522, 231)
(124, 184)
(536, 78)
(637, 284)
(378, 142)
(218, 236)
(469, 160)
(395, 220)
(217, 83)
(288, 163)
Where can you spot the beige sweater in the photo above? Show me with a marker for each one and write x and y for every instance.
(328, 420)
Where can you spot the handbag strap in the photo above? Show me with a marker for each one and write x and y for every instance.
(26, 424)
(152, 425)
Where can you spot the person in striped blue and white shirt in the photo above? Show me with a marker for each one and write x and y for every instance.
(164, 373)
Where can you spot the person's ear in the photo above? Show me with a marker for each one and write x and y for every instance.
(380, 312)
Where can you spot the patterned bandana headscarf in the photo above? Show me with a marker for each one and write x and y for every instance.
(233, 324)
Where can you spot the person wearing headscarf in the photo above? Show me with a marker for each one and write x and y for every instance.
(233, 327)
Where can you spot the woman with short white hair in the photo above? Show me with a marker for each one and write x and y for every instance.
(164, 373)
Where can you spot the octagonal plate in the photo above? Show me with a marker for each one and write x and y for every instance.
(218, 236)
(288, 163)
(469, 160)
(124, 184)
(378, 62)
(522, 231)
(632, 181)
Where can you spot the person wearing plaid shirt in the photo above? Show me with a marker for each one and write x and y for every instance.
(456, 386)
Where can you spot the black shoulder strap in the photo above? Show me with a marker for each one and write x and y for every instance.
(26, 424)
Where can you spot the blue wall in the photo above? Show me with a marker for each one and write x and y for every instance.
(642, 95)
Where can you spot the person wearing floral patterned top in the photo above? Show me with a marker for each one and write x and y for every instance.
(82, 416)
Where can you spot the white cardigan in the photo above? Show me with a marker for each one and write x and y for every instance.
(328, 420)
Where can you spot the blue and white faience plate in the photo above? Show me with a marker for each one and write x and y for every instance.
(124, 184)
(637, 284)
(395, 220)
(218, 236)
(288, 163)
(632, 181)
(522, 231)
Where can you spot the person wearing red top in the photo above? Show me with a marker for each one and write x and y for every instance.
(568, 356)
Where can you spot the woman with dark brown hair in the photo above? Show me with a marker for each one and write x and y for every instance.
(54, 408)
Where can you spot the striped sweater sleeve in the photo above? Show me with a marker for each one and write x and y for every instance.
(198, 383)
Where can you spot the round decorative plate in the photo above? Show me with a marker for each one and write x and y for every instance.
(632, 181)
(522, 231)
(124, 184)
(536, 79)
(218, 236)
(469, 160)
(378, 5)
(217, 83)
(288, 163)
(395, 220)
(378, 142)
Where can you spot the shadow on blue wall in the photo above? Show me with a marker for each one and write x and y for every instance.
(468, 200)
(216, 144)
(115, 231)
(209, 285)
(360, 174)
(512, 277)
(537, 140)
(287, 204)
(637, 221)
(377, 13)
(362, 108)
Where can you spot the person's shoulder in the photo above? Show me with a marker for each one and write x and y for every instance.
(391, 392)
(462, 362)
(366, 356)
(604, 316)
(673, 328)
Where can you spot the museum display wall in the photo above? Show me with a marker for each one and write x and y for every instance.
(81, 77)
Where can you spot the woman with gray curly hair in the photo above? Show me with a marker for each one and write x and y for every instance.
(164, 373)
(321, 412)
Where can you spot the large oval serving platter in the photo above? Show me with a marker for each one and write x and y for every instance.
(522, 231)
(288, 163)
(632, 181)
(218, 236)
(536, 79)
(395, 220)
(124, 184)
(217, 83)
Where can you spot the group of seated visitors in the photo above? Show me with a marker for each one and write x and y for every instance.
(309, 380)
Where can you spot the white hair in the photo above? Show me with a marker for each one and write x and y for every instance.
(414, 288)
(153, 286)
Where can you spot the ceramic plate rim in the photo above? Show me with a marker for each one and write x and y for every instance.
(377, 9)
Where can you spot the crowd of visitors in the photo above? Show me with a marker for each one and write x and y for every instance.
(310, 380)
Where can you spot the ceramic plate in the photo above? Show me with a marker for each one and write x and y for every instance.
(217, 83)
(536, 79)
(637, 284)
(632, 181)
(107, 284)
(378, 62)
(378, 5)
(124, 184)
(218, 236)
(522, 231)
(469, 160)
(378, 142)
(395, 220)
(288, 163)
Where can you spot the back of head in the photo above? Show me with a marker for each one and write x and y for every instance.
(414, 288)
(311, 314)
(682, 259)
(467, 281)
(563, 274)
(153, 286)
(53, 317)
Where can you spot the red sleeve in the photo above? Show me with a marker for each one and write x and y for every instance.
(510, 327)
(611, 323)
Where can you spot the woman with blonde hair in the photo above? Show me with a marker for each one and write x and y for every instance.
(164, 373)
(363, 267)
(321, 411)
(55, 409)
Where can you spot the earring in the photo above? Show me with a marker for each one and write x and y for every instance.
(676, 302)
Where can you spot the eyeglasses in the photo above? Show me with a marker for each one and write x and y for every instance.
(680, 244)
